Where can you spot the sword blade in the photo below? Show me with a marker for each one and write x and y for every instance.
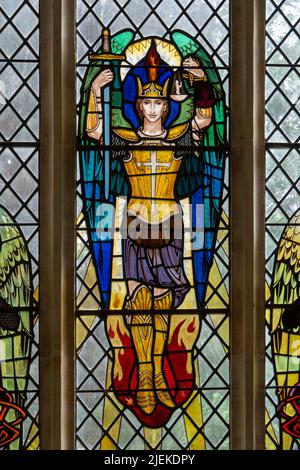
(107, 137)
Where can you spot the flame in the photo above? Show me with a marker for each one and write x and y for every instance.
(111, 333)
(176, 343)
(181, 361)
(117, 301)
(129, 401)
(192, 326)
(153, 62)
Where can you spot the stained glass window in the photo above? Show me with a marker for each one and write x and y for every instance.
(152, 279)
(282, 225)
(19, 224)
(152, 313)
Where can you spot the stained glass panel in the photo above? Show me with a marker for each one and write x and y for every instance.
(282, 225)
(19, 224)
(152, 313)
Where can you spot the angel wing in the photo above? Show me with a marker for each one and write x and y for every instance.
(285, 320)
(203, 178)
(16, 325)
(92, 178)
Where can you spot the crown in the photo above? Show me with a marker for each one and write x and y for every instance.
(152, 89)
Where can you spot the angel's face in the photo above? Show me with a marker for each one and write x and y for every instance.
(152, 109)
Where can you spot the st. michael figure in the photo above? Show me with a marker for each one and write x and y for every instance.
(157, 158)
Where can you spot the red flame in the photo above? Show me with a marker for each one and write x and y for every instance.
(111, 333)
(153, 62)
(192, 326)
(178, 379)
(178, 356)
(126, 386)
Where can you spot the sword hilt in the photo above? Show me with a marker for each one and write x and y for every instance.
(106, 41)
(106, 55)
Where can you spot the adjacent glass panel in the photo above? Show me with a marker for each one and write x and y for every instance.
(282, 225)
(152, 365)
(19, 224)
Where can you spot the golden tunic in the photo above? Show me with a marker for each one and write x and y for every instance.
(152, 174)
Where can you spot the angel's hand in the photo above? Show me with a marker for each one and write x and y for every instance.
(104, 78)
(192, 66)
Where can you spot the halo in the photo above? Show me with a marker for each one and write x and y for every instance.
(139, 49)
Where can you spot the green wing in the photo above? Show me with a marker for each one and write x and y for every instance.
(16, 326)
(188, 46)
(215, 136)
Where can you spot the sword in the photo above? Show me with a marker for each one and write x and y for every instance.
(107, 57)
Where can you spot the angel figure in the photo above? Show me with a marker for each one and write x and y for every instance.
(165, 134)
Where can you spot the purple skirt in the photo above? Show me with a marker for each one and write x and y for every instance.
(157, 267)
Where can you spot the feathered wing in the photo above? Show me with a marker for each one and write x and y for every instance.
(202, 176)
(16, 325)
(95, 207)
(285, 315)
(286, 277)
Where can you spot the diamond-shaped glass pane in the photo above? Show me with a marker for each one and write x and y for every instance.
(24, 102)
(9, 164)
(11, 39)
(169, 11)
(9, 7)
(11, 82)
(25, 20)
